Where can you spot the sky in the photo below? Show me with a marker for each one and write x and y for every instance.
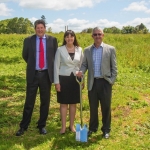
(79, 14)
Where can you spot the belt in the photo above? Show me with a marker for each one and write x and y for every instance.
(41, 70)
(98, 78)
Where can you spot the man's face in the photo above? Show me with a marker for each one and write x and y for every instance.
(40, 30)
(97, 36)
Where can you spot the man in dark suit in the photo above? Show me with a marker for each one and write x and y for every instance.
(38, 52)
(100, 60)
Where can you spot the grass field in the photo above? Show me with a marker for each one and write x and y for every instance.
(130, 101)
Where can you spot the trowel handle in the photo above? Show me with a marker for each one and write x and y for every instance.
(80, 80)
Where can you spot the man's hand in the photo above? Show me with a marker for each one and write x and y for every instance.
(79, 74)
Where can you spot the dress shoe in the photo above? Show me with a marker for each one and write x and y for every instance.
(20, 132)
(106, 135)
(90, 132)
(42, 130)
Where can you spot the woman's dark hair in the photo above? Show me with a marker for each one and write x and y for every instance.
(40, 21)
(70, 32)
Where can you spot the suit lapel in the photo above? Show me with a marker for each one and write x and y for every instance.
(66, 54)
(91, 55)
(47, 44)
(103, 53)
(76, 55)
(33, 42)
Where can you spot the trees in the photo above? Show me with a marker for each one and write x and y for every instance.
(112, 30)
(141, 28)
(3, 25)
(16, 25)
(43, 18)
(11, 26)
(24, 26)
(88, 30)
(49, 30)
(138, 29)
(125, 29)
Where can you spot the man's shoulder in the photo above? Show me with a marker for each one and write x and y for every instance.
(30, 37)
(109, 46)
(88, 48)
(49, 36)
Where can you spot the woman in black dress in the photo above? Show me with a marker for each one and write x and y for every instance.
(68, 60)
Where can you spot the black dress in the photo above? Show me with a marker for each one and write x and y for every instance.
(70, 90)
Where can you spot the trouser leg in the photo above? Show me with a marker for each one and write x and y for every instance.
(44, 88)
(93, 103)
(31, 91)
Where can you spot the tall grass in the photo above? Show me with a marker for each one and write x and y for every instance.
(130, 101)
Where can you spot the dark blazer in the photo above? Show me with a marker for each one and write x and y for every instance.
(29, 55)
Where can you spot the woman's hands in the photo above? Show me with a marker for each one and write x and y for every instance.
(58, 87)
(79, 74)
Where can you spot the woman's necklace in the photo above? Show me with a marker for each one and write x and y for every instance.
(70, 49)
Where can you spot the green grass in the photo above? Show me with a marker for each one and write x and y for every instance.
(130, 100)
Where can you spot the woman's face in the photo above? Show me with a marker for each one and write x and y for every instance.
(69, 39)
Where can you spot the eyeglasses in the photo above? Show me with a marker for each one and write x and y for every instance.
(95, 34)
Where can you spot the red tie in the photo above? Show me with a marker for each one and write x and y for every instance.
(41, 54)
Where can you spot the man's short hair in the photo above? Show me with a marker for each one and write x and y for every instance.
(97, 28)
(39, 21)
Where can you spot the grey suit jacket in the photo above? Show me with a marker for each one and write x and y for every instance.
(64, 65)
(29, 55)
(108, 64)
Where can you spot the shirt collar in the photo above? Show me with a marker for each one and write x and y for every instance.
(102, 45)
(42, 37)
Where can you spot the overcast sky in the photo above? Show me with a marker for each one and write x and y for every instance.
(79, 14)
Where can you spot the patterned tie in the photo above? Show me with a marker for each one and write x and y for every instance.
(41, 54)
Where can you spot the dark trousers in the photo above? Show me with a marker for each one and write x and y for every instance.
(42, 82)
(101, 92)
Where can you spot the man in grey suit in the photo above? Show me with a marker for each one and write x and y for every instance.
(39, 53)
(100, 60)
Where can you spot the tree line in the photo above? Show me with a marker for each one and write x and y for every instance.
(16, 25)
(19, 26)
(25, 26)
(125, 30)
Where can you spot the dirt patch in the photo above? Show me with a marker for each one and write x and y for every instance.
(6, 98)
